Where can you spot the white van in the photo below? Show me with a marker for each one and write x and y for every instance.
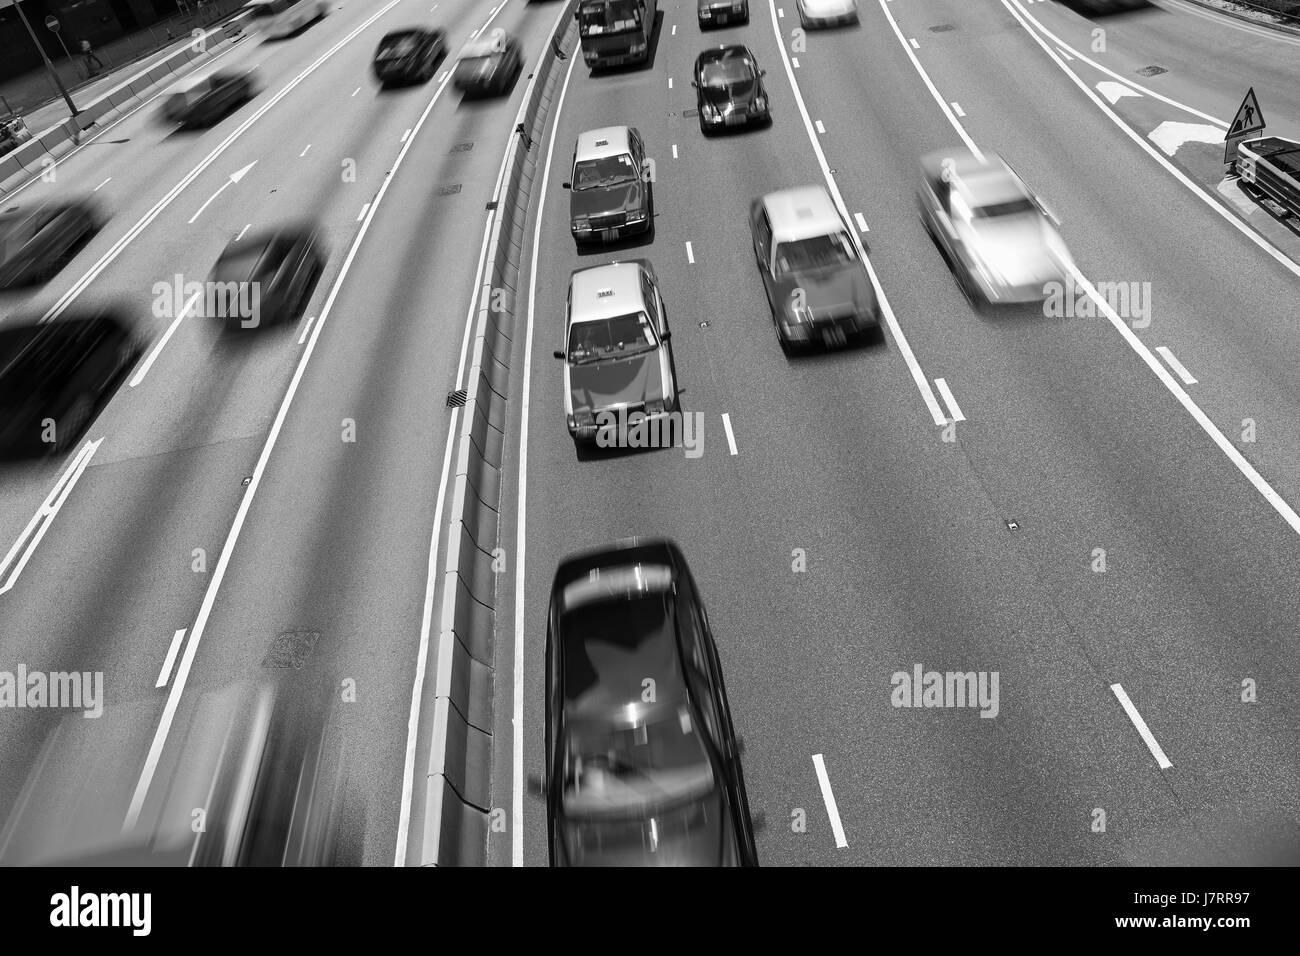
(280, 18)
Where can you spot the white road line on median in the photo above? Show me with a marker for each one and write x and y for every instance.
(820, 127)
(832, 811)
(690, 254)
(165, 675)
(306, 328)
(1226, 214)
(45, 515)
(362, 214)
(157, 209)
(954, 409)
(1176, 365)
(1143, 730)
(900, 339)
(956, 108)
(731, 436)
(521, 508)
(242, 231)
(103, 184)
(308, 146)
(861, 221)
(143, 370)
(246, 502)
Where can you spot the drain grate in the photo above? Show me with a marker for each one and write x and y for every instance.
(449, 190)
(942, 28)
(1152, 71)
(457, 398)
(291, 649)
(462, 147)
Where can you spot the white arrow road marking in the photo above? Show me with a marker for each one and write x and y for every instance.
(1169, 136)
(235, 177)
(1113, 91)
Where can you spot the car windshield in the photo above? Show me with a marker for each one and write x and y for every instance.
(611, 16)
(727, 72)
(400, 45)
(607, 171)
(1015, 207)
(819, 252)
(634, 771)
(622, 335)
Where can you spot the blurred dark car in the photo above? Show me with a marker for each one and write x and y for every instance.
(203, 100)
(409, 56)
(729, 88)
(612, 186)
(642, 761)
(719, 13)
(37, 242)
(266, 278)
(489, 65)
(55, 378)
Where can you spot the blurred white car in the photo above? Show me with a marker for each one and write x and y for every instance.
(1000, 240)
(822, 13)
(281, 18)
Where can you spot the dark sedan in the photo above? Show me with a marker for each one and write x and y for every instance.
(36, 242)
(642, 761)
(409, 56)
(489, 66)
(55, 377)
(266, 278)
(203, 100)
(729, 88)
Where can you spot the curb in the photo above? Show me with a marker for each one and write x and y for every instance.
(48, 145)
(457, 798)
(1246, 18)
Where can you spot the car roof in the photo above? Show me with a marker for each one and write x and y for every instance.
(716, 53)
(603, 142)
(486, 46)
(801, 213)
(601, 292)
(980, 181)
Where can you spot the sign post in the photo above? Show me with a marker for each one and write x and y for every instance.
(52, 24)
(54, 74)
(1248, 121)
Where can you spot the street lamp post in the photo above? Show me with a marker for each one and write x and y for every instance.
(54, 75)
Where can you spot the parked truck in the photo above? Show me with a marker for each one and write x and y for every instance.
(616, 32)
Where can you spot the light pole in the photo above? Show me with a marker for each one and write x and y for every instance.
(54, 75)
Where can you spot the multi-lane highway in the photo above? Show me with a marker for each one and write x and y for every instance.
(1096, 508)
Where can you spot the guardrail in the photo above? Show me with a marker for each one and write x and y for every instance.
(456, 807)
(1288, 23)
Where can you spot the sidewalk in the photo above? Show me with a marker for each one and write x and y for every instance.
(36, 99)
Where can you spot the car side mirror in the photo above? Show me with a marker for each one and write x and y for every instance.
(694, 84)
(566, 185)
(762, 72)
(558, 353)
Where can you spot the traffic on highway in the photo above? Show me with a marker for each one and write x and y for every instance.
(660, 433)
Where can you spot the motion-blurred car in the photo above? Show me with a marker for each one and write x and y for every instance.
(612, 197)
(268, 277)
(281, 18)
(816, 282)
(489, 65)
(37, 241)
(998, 238)
(729, 88)
(203, 100)
(642, 760)
(409, 56)
(827, 13)
(55, 377)
(617, 354)
(719, 13)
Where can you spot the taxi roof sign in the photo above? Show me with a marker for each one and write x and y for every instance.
(1249, 118)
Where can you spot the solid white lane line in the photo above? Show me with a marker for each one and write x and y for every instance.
(1223, 211)
(1143, 730)
(953, 408)
(165, 675)
(861, 221)
(362, 214)
(731, 436)
(103, 184)
(1176, 365)
(956, 108)
(46, 515)
(832, 810)
(138, 377)
(1064, 54)
(886, 310)
(521, 513)
(306, 328)
(246, 502)
(157, 209)
(690, 254)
